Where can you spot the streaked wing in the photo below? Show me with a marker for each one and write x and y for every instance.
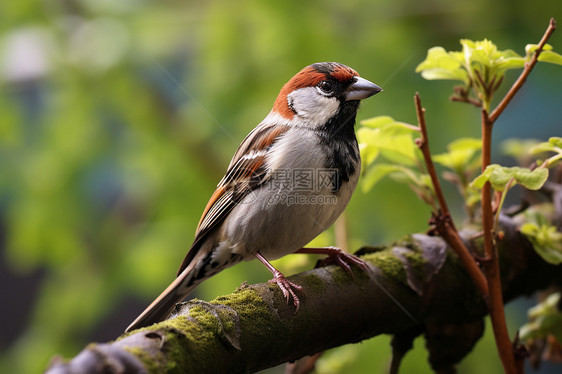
(246, 172)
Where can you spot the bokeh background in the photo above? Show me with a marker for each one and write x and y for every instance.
(118, 118)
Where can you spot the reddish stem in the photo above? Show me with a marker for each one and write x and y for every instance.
(491, 266)
(423, 145)
(444, 221)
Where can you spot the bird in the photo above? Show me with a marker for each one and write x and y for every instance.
(288, 181)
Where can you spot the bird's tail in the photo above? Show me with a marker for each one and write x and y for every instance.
(161, 307)
(202, 266)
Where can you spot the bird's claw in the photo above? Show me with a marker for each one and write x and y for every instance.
(288, 288)
(343, 259)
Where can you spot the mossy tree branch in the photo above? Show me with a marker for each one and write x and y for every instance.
(417, 286)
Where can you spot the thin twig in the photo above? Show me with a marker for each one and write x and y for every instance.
(423, 145)
(444, 221)
(477, 103)
(523, 77)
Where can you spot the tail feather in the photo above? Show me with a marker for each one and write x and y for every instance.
(202, 266)
(163, 305)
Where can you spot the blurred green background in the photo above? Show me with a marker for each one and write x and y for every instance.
(118, 118)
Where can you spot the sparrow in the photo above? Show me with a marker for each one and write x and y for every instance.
(289, 180)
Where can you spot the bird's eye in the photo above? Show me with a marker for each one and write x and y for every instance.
(326, 86)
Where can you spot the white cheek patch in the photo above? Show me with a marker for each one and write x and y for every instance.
(312, 106)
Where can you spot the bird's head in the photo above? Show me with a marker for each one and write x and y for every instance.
(321, 91)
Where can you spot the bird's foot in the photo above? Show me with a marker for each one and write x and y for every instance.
(338, 257)
(288, 288)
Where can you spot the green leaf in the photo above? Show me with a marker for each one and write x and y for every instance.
(483, 56)
(400, 149)
(512, 63)
(539, 329)
(439, 64)
(546, 318)
(499, 176)
(390, 138)
(444, 74)
(518, 148)
(487, 175)
(460, 154)
(547, 54)
(556, 141)
(368, 154)
(531, 48)
(554, 144)
(542, 148)
(550, 57)
(379, 171)
(367, 145)
(482, 52)
(438, 57)
(532, 180)
(378, 121)
(546, 240)
(548, 306)
(389, 122)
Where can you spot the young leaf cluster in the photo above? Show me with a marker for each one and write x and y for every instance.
(545, 321)
(480, 66)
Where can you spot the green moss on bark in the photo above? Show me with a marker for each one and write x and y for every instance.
(389, 264)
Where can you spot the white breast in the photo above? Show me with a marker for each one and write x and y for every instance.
(286, 213)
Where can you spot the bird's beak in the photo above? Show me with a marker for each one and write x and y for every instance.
(361, 89)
